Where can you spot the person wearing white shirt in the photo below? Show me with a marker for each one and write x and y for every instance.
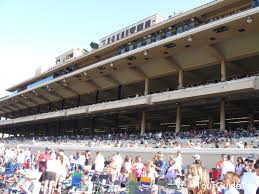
(49, 177)
(179, 161)
(250, 179)
(99, 163)
(227, 166)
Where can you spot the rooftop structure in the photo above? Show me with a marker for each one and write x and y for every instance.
(195, 69)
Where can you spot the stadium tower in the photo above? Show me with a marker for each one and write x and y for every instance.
(193, 70)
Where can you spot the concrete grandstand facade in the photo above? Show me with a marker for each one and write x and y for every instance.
(198, 69)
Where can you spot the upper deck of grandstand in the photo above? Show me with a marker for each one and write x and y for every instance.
(213, 43)
(205, 14)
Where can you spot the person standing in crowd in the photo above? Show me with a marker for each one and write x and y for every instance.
(160, 164)
(227, 166)
(49, 177)
(127, 164)
(197, 159)
(179, 160)
(42, 160)
(88, 159)
(240, 166)
(99, 163)
(119, 161)
(198, 181)
(112, 169)
(63, 166)
(150, 170)
(20, 159)
(81, 160)
(250, 178)
(30, 185)
(86, 186)
(138, 168)
(173, 170)
(231, 181)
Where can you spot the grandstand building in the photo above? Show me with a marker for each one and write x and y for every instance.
(198, 69)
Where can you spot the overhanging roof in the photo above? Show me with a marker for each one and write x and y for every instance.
(202, 53)
(91, 56)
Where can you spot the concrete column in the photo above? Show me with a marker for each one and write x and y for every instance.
(211, 122)
(146, 86)
(251, 121)
(78, 100)
(143, 123)
(180, 79)
(222, 115)
(148, 126)
(223, 70)
(178, 118)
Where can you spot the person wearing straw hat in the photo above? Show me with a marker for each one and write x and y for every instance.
(30, 185)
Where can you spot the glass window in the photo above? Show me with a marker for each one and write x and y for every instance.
(149, 40)
(147, 23)
(140, 27)
(186, 27)
(132, 30)
(122, 34)
(192, 24)
(158, 37)
(179, 29)
(127, 33)
(131, 47)
(113, 38)
(118, 36)
(255, 3)
(121, 50)
(108, 41)
(139, 43)
(103, 42)
(168, 33)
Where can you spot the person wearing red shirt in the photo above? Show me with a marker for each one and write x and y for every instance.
(42, 160)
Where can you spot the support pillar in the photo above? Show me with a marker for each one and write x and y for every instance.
(97, 96)
(146, 91)
(223, 70)
(251, 121)
(222, 115)
(143, 123)
(78, 100)
(62, 104)
(211, 122)
(178, 118)
(119, 92)
(180, 79)
(92, 125)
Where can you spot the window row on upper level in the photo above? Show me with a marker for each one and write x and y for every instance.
(159, 35)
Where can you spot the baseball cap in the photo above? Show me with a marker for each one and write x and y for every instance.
(250, 157)
(196, 156)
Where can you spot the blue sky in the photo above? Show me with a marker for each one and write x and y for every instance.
(34, 32)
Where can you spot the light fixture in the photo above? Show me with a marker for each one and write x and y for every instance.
(145, 53)
(189, 38)
(249, 20)
(85, 73)
(170, 28)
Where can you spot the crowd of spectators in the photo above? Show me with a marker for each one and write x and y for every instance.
(49, 172)
(238, 138)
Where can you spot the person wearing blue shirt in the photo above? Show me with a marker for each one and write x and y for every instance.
(160, 164)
